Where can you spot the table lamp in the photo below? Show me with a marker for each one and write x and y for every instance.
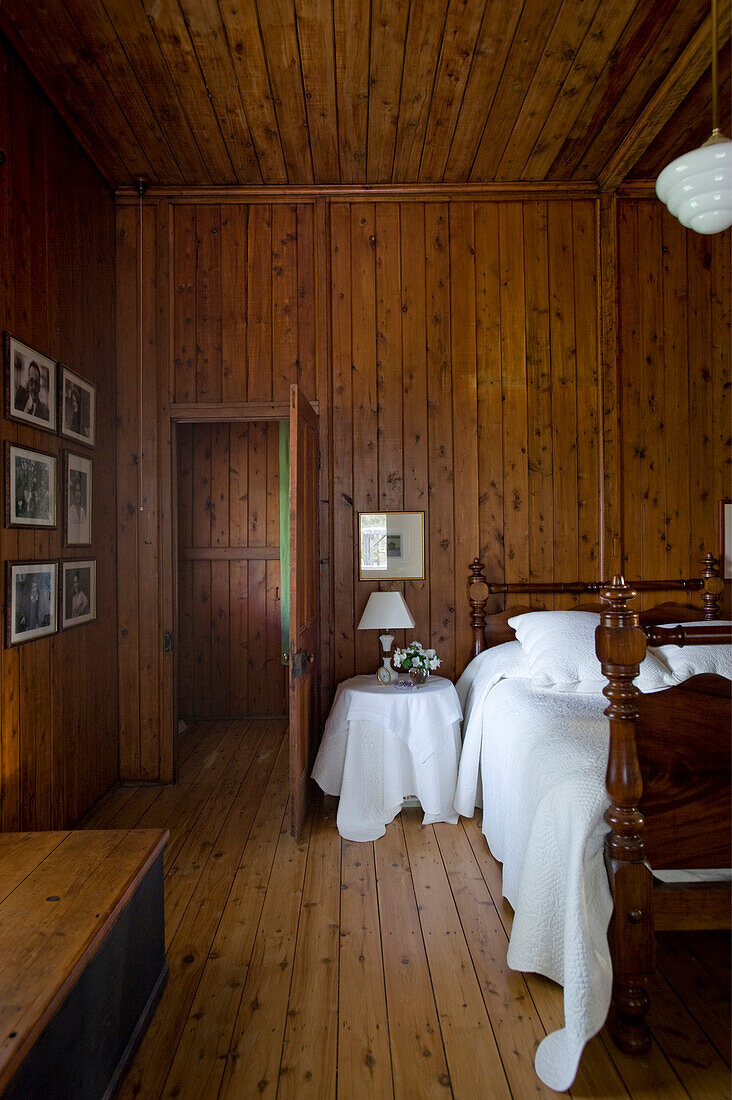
(386, 611)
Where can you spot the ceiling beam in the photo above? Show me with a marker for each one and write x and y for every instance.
(676, 85)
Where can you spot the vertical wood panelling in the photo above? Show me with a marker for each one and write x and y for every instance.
(674, 338)
(229, 617)
(539, 392)
(59, 721)
(455, 350)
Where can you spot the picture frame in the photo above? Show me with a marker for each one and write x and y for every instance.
(390, 546)
(78, 592)
(725, 539)
(30, 487)
(30, 385)
(31, 600)
(77, 407)
(77, 499)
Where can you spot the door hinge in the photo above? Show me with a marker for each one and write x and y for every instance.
(318, 459)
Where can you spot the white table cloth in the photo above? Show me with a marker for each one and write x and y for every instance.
(381, 744)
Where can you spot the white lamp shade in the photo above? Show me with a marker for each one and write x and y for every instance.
(385, 610)
(697, 188)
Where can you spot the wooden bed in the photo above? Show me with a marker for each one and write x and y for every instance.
(668, 771)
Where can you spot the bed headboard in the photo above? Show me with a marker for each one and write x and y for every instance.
(492, 629)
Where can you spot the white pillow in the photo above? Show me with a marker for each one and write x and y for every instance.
(697, 660)
(560, 647)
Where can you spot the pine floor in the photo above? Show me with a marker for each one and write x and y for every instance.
(323, 969)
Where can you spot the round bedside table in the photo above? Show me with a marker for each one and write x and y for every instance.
(382, 743)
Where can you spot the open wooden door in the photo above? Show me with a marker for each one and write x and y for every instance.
(304, 618)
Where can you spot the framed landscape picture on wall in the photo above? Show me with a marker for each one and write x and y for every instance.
(30, 487)
(390, 546)
(78, 407)
(30, 385)
(31, 600)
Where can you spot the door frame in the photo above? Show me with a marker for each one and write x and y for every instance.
(240, 412)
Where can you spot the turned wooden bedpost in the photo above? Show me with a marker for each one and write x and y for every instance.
(477, 595)
(621, 646)
(712, 587)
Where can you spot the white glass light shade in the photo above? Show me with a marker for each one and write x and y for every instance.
(697, 188)
(385, 609)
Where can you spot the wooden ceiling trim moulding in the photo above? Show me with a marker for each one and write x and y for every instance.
(636, 189)
(417, 192)
(668, 96)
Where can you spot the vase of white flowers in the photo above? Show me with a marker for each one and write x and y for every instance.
(417, 661)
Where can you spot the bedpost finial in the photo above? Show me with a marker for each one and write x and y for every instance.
(712, 587)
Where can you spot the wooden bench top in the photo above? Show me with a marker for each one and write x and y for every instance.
(60, 893)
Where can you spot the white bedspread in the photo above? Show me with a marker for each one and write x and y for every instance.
(542, 756)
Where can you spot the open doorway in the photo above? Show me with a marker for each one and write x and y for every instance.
(232, 534)
(246, 573)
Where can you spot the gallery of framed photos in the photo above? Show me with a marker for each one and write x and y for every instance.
(45, 491)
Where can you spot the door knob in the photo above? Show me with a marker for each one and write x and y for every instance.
(311, 658)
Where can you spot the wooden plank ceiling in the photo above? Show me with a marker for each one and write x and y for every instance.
(251, 92)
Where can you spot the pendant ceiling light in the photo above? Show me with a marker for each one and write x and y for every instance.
(697, 187)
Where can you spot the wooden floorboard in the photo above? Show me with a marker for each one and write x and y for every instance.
(327, 969)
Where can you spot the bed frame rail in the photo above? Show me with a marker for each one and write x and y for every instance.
(621, 646)
(708, 583)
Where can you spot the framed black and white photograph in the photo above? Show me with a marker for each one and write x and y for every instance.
(31, 600)
(78, 592)
(78, 407)
(30, 487)
(390, 546)
(30, 385)
(77, 499)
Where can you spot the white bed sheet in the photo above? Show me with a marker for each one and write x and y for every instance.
(540, 758)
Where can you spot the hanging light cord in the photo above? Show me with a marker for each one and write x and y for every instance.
(715, 105)
(140, 372)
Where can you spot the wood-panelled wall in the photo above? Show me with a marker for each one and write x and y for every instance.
(58, 722)
(456, 352)
(674, 291)
(465, 383)
(229, 571)
(230, 309)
